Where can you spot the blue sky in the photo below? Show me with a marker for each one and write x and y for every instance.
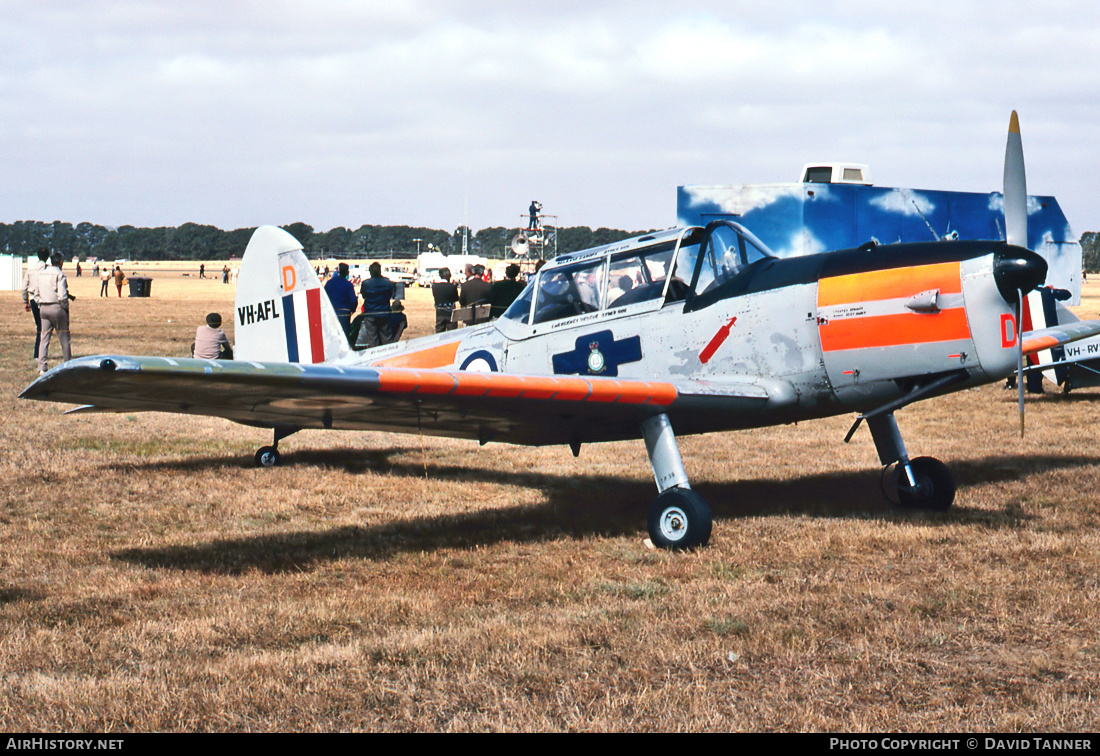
(432, 113)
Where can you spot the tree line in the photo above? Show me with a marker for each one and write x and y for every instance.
(1090, 251)
(193, 241)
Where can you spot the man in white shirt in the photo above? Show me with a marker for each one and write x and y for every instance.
(34, 267)
(52, 293)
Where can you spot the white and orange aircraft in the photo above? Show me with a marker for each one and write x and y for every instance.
(693, 329)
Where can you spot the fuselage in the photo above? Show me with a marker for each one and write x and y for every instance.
(748, 339)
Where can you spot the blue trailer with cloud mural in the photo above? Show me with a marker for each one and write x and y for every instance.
(819, 216)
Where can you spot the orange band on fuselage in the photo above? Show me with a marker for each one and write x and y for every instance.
(894, 283)
(894, 330)
(432, 357)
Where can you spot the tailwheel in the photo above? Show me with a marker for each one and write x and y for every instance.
(935, 489)
(679, 519)
(267, 456)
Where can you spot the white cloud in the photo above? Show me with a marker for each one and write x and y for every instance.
(154, 111)
(739, 200)
(801, 243)
(904, 202)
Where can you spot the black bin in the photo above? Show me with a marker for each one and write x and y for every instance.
(140, 286)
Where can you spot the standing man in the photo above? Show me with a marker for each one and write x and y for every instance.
(533, 211)
(377, 291)
(503, 293)
(30, 304)
(52, 292)
(475, 289)
(342, 295)
(202, 270)
(445, 294)
(105, 278)
(120, 278)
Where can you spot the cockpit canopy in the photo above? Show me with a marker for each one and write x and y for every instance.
(668, 266)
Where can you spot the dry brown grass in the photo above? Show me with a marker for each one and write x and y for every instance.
(151, 579)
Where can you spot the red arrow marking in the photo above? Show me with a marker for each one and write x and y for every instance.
(719, 338)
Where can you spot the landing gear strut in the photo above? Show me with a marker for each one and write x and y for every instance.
(268, 456)
(679, 518)
(921, 483)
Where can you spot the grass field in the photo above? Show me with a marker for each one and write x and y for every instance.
(152, 579)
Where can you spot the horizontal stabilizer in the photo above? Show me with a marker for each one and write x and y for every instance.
(91, 409)
(1065, 333)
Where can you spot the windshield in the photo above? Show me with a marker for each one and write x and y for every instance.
(569, 290)
(728, 249)
(520, 309)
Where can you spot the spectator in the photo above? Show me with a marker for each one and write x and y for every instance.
(445, 294)
(211, 343)
(398, 322)
(52, 294)
(377, 292)
(475, 290)
(30, 301)
(342, 295)
(503, 293)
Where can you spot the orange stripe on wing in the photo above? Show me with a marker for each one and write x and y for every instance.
(547, 388)
(634, 392)
(416, 381)
(1031, 346)
(894, 330)
(889, 284)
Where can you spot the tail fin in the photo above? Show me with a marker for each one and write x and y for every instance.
(282, 313)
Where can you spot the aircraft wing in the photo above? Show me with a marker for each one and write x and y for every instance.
(533, 410)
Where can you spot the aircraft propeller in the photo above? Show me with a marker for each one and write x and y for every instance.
(1017, 274)
(1020, 357)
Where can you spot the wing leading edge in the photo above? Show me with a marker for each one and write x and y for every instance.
(520, 409)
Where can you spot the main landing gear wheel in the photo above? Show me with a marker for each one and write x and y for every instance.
(935, 489)
(679, 519)
(267, 456)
